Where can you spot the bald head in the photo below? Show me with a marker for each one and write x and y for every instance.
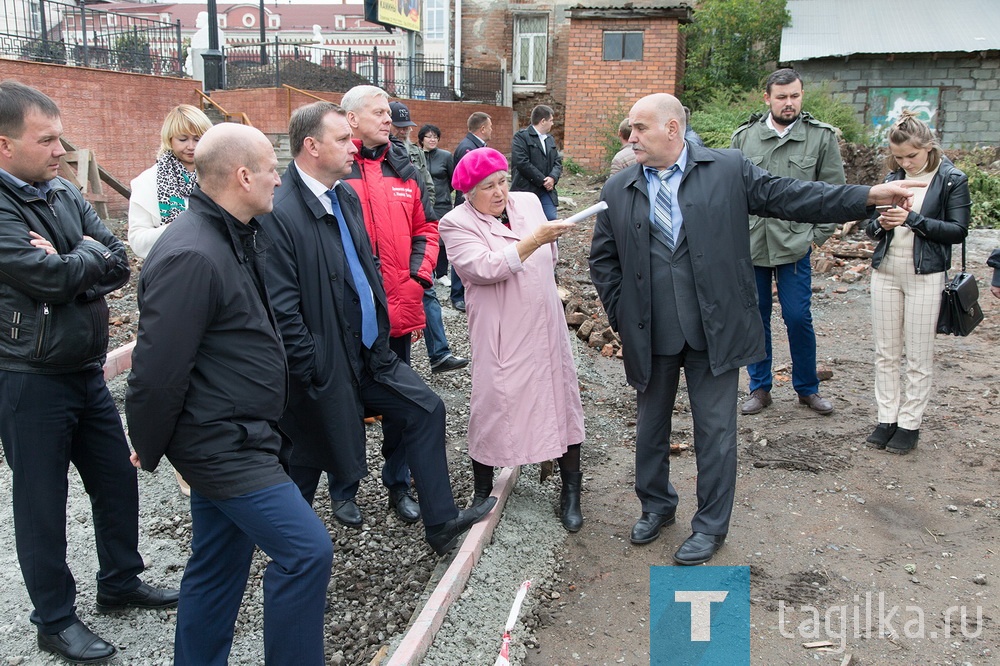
(657, 130)
(237, 168)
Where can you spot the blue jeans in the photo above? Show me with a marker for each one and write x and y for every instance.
(224, 533)
(548, 206)
(795, 297)
(457, 288)
(434, 335)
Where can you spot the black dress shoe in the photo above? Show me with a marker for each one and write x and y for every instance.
(881, 435)
(648, 526)
(144, 596)
(77, 644)
(347, 512)
(448, 363)
(442, 538)
(405, 506)
(459, 305)
(699, 548)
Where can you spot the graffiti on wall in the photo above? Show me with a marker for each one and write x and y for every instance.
(886, 104)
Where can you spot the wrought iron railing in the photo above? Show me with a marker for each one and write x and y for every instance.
(304, 65)
(77, 34)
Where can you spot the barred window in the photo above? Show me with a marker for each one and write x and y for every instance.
(531, 37)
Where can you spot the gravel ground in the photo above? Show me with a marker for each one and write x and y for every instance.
(380, 573)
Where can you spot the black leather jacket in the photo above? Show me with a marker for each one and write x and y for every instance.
(942, 221)
(53, 316)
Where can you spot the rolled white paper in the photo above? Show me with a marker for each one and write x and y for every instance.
(587, 212)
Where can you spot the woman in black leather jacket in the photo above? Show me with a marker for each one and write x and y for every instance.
(909, 262)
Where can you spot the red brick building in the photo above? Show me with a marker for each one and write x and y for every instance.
(589, 61)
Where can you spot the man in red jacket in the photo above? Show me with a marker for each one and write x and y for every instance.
(406, 243)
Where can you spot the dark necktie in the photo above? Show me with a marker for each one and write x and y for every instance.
(661, 212)
(369, 323)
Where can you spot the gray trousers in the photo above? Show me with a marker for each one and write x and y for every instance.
(713, 408)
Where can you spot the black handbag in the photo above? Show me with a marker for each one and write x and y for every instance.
(960, 311)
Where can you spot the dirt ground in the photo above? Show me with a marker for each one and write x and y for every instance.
(827, 526)
(824, 523)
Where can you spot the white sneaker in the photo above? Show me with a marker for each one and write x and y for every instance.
(444, 281)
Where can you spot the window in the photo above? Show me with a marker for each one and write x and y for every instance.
(274, 21)
(435, 19)
(531, 38)
(339, 23)
(623, 46)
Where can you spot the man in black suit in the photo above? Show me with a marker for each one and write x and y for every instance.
(480, 130)
(331, 307)
(536, 162)
(685, 230)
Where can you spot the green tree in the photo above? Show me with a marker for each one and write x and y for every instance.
(730, 46)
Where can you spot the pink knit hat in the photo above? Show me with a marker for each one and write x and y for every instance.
(475, 166)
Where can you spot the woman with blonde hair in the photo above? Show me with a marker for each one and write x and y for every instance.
(909, 262)
(160, 193)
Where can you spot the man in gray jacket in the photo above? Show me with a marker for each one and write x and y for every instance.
(788, 142)
(678, 219)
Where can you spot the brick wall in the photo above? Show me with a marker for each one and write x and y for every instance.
(970, 89)
(601, 92)
(117, 115)
(270, 108)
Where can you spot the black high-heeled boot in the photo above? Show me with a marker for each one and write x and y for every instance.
(569, 501)
(569, 498)
(483, 482)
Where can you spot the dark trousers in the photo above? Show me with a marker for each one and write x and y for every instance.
(224, 533)
(420, 442)
(395, 473)
(713, 408)
(46, 423)
(795, 297)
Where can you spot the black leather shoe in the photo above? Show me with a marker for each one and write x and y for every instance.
(144, 596)
(459, 305)
(448, 363)
(903, 441)
(405, 506)
(347, 512)
(77, 644)
(648, 526)
(699, 548)
(881, 435)
(442, 538)
(817, 403)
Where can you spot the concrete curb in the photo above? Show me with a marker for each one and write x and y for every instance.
(119, 361)
(418, 638)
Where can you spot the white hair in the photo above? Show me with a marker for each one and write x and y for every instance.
(354, 99)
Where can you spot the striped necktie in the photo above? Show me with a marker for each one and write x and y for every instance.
(661, 207)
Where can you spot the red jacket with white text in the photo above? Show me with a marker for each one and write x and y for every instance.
(405, 242)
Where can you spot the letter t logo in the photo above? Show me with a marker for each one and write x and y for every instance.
(701, 610)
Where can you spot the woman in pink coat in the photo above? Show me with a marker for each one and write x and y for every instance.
(525, 405)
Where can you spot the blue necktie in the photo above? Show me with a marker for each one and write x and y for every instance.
(661, 211)
(369, 323)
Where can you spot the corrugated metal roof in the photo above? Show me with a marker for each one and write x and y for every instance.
(830, 28)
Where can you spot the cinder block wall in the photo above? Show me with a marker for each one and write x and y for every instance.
(117, 115)
(970, 89)
(600, 92)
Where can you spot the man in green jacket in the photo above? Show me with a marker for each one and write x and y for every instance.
(787, 142)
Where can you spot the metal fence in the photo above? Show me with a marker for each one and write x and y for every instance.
(71, 34)
(304, 65)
